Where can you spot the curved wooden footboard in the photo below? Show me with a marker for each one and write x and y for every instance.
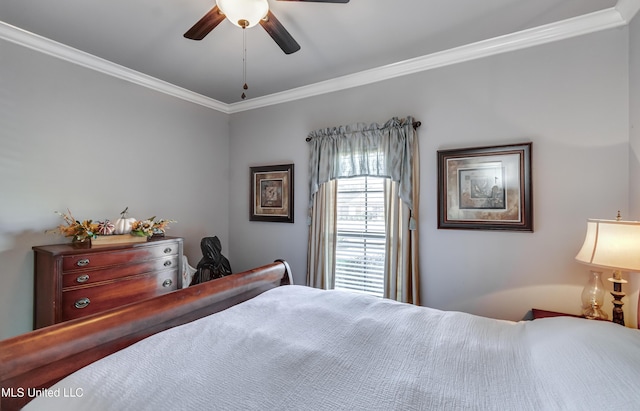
(40, 358)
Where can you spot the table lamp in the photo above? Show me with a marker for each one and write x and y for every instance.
(612, 245)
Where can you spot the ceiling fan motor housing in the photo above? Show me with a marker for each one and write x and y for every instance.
(244, 13)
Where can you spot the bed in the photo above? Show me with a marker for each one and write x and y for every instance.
(254, 341)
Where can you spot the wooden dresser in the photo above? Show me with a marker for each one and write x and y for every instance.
(72, 283)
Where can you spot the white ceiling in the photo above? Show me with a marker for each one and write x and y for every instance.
(336, 40)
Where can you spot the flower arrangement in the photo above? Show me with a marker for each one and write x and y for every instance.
(149, 227)
(78, 231)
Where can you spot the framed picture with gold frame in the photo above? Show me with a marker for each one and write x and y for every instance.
(272, 193)
(485, 188)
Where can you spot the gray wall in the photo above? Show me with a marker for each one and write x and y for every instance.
(74, 138)
(569, 98)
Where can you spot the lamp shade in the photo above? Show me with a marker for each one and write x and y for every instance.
(611, 244)
(251, 11)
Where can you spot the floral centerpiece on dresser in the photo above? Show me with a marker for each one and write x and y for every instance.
(80, 232)
(150, 227)
(123, 230)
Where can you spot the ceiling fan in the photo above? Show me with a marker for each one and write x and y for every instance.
(247, 13)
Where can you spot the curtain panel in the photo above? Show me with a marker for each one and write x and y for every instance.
(321, 258)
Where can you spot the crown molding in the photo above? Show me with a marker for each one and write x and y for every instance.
(627, 9)
(617, 16)
(52, 48)
(577, 26)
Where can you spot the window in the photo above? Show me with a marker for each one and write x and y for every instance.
(360, 249)
(372, 251)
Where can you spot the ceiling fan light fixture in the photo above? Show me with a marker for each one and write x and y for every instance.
(239, 12)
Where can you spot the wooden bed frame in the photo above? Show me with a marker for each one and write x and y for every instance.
(40, 358)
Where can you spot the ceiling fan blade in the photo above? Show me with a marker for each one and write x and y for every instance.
(204, 26)
(279, 34)
(321, 1)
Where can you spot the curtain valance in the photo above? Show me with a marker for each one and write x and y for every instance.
(359, 150)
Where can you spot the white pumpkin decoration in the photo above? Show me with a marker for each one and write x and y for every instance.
(123, 224)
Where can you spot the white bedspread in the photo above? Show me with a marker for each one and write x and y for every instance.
(297, 348)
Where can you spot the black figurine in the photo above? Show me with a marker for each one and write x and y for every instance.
(213, 264)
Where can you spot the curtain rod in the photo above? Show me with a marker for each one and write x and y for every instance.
(415, 125)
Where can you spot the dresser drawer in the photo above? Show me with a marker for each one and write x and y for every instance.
(91, 260)
(88, 277)
(82, 301)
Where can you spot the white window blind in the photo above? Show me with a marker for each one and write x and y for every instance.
(360, 251)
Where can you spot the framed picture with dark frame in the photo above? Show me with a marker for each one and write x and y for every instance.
(485, 188)
(272, 193)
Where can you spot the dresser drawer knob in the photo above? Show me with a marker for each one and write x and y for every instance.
(81, 303)
(167, 250)
(167, 263)
(83, 278)
(167, 283)
(83, 262)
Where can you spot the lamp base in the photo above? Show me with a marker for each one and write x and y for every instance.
(618, 295)
(593, 298)
(618, 313)
(594, 312)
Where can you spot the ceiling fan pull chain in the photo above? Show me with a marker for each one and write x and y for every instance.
(244, 57)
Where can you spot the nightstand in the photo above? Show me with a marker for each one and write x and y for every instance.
(537, 314)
